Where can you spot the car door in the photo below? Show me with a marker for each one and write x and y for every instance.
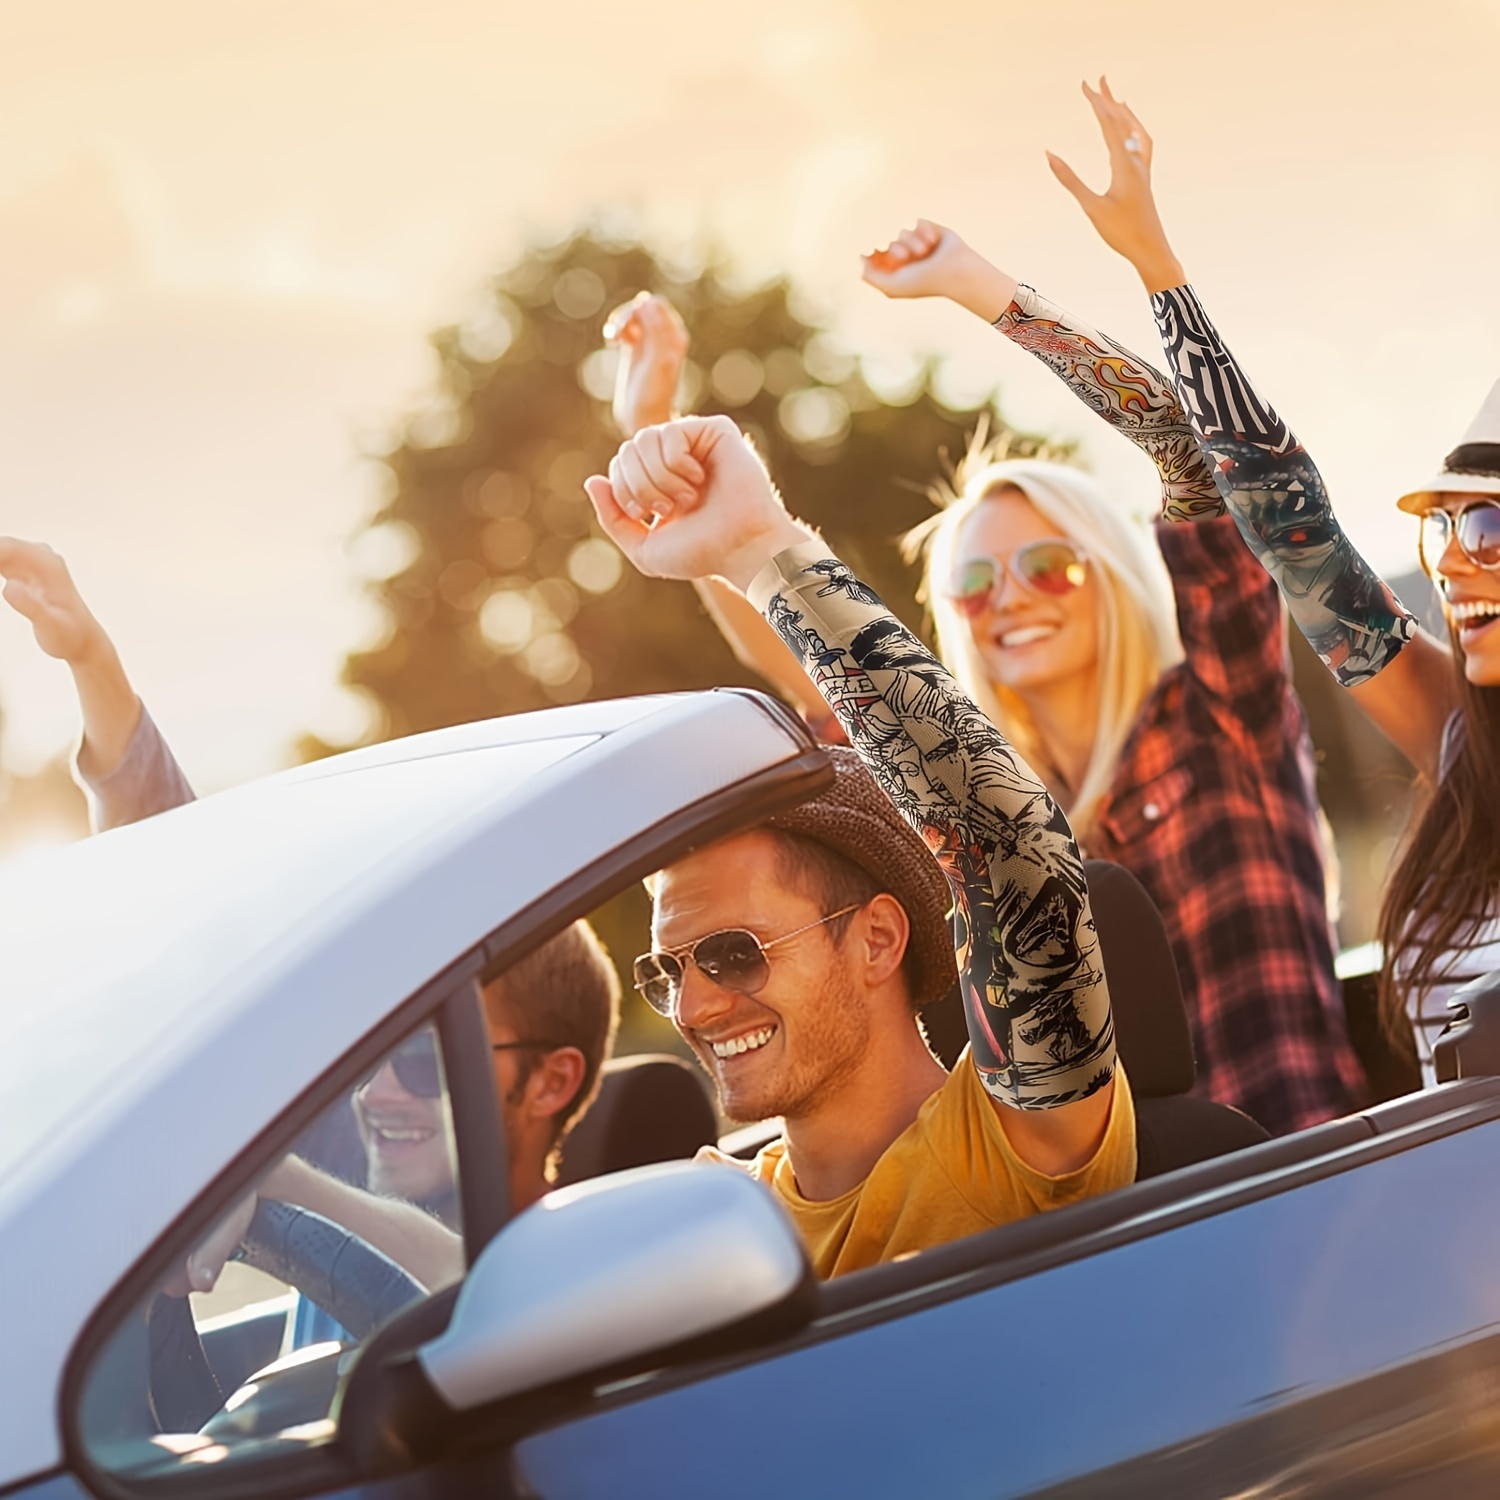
(1316, 1316)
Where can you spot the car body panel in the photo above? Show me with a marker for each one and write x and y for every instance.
(1154, 1347)
(154, 975)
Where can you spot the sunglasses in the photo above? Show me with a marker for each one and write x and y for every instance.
(416, 1066)
(1476, 529)
(733, 959)
(1052, 567)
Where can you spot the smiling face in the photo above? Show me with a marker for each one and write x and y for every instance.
(800, 1040)
(406, 1140)
(1471, 596)
(1029, 642)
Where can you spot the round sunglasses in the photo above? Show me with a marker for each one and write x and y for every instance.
(1476, 529)
(733, 959)
(1051, 566)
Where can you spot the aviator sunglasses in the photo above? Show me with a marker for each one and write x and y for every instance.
(733, 959)
(1476, 529)
(1050, 566)
(415, 1063)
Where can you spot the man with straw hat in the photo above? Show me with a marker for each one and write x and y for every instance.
(793, 958)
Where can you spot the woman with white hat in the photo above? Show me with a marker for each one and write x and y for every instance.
(1440, 917)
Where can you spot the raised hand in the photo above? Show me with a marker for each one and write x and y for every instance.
(1125, 213)
(39, 587)
(931, 261)
(690, 499)
(653, 344)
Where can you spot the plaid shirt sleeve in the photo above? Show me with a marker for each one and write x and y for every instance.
(1230, 619)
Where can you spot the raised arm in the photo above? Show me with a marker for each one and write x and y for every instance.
(653, 344)
(1367, 638)
(1119, 387)
(122, 760)
(1034, 991)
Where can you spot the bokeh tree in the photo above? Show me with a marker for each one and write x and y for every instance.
(505, 597)
(508, 598)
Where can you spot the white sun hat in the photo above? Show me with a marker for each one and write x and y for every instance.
(1473, 468)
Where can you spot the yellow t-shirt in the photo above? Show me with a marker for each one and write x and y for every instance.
(950, 1173)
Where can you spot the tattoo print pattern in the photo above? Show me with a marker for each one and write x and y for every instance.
(1273, 489)
(1132, 396)
(1033, 987)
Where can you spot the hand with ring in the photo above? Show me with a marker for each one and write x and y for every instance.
(1125, 212)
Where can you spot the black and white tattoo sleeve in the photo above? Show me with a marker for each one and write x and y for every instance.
(1276, 495)
(1135, 398)
(1033, 987)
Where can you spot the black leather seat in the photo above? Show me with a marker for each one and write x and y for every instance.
(1151, 1031)
(650, 1107)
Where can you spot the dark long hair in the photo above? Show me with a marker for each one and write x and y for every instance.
(1447, 878)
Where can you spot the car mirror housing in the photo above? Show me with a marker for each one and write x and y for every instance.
(610, 1270)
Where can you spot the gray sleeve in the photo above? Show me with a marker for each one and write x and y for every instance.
(147, 781)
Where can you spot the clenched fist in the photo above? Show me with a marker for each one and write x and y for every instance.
(691, 499)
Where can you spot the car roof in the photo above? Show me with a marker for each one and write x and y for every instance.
(169, 988)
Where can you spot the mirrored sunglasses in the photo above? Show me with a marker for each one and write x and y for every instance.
(1050, 567)
(1476, 529)
(733, 959)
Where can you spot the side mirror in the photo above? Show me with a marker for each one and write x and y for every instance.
(610, 1269)
(593, 1278)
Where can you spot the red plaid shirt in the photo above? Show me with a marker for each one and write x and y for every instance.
(1213, 809)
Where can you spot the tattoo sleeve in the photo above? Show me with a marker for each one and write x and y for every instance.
(1135, 398)
(1033, 987)
(1275, 493)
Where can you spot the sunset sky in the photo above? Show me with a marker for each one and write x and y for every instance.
(226, 229)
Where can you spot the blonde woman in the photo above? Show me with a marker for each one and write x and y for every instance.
(1147, 680)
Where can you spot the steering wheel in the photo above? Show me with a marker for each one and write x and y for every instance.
(331, 1266)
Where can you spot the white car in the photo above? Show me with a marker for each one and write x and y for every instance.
(183, 1000)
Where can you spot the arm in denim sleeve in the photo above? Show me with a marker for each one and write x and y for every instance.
(147, 781)
(1276, 496)
(1135, 398)
(1033, 986)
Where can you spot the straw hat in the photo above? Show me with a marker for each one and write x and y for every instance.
(856, 819)
(1473, 468)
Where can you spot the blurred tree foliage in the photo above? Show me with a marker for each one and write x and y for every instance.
(508, 598)
(501, 594)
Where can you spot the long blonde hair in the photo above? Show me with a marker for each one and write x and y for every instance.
(1137, 619)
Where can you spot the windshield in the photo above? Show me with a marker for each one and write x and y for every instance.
(121, 953)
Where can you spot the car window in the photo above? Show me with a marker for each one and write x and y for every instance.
(235, 1352)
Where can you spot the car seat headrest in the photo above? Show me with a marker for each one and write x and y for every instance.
(1145, 993)
(650, 1107)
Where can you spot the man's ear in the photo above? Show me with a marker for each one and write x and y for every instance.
(554, 1082)
(886, 931)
